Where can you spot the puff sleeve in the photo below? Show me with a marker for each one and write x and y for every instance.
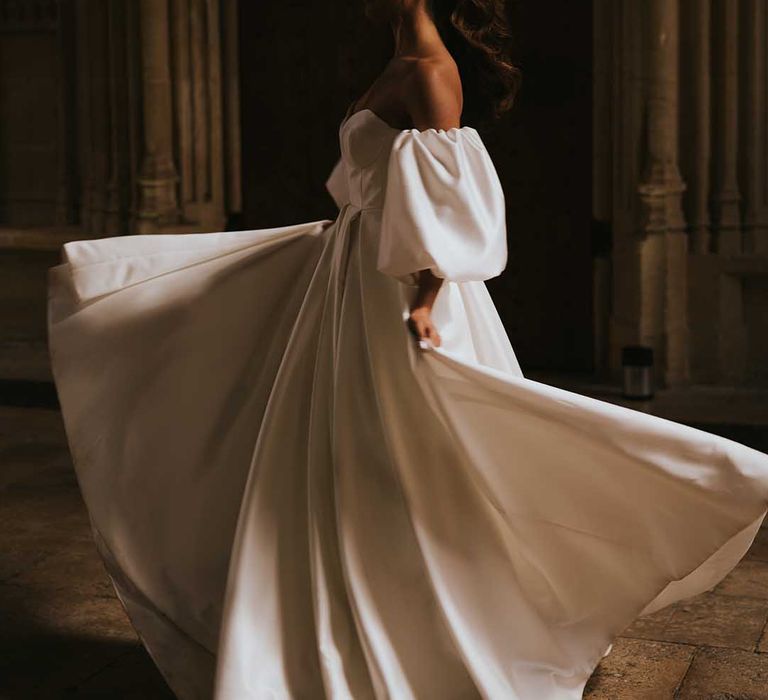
(443, 209)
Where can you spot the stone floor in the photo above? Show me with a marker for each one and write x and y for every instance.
(63, 634)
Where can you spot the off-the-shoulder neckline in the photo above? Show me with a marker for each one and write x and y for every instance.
(384, 123)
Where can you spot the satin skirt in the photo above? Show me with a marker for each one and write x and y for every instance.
(295, 500)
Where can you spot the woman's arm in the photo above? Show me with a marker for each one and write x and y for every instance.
(434, 102)
(420, 319)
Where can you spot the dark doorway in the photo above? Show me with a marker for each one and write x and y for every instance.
(544, 157)
(301, 64)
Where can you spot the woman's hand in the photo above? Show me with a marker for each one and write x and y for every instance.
(420, 318)
(421, 325)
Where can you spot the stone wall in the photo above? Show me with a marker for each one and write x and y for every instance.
(680, 181)
(116, 117)
(125, 116)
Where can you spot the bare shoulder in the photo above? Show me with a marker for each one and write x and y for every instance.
(433, 93)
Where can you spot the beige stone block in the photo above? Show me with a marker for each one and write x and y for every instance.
(44, 521)
(726, 674)
(717, 620)
(639, 670)
(30, 613)
(762, 647)
(133, 677)
(649, 626)
(77, 569)
(749, 579)
(14, 561)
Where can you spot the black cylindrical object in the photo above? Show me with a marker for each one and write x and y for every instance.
(637, 364)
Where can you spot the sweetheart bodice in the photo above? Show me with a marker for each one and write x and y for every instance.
(366, 141)
(439, 198)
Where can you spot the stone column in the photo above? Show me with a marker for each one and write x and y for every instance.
(115, 210)
(663, 312)
(100, 118)
(83, 61)
(132, 111)
(67, 171)
(197, 84)
(158, 202)
(700, 137)
(231, 86)
(726, 199)
(199, 65)
(755, 123)
(627, 81)
(183, 90)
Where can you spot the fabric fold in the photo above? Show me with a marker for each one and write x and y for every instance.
(161, 384)
(104, 265)
(337, 184)
(444, 208)
(296, 500)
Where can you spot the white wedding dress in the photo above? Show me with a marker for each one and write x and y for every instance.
(295, 500)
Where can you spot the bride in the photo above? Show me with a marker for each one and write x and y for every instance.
(313, 466)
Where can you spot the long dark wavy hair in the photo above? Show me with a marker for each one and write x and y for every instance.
(477, 34)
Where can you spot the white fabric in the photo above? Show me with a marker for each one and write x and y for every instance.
(444, 208)
(295, 501)
(337, 185)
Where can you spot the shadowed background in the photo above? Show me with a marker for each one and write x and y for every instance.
(634, 163)
(133, 117)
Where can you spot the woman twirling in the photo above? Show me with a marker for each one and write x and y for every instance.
(312, 463)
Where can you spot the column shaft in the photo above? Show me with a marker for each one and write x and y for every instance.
(726, 198)
(158, 178)
(663, 311)
(754, 132)
(698, 179)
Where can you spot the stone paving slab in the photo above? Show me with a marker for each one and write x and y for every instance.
(44, 667)
(726, 674)
(759, 549)
(749, 580)
(717, 620)
(650, 626)
(763, 644)
(52, 638)
(14, 561)
(65, 634)
(640, 670)
(76, 570)
(132, 676)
